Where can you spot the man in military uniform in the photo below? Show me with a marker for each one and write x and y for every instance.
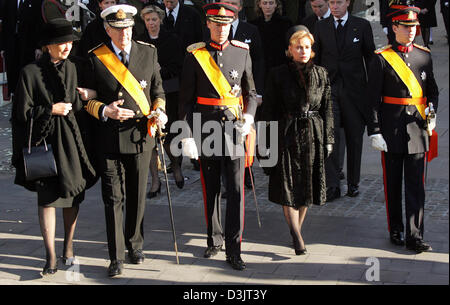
(215, 76)
(126, 76)
(402, 90)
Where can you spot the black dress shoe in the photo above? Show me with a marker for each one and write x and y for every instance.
(418, 246)
(154, 194)
(397, 238)
(49, 271)
(196, 164)
(333, 193)
(115, 268)
(236, 262)
(136, 256)
(212, 251)
(180, 184)
(352, 190)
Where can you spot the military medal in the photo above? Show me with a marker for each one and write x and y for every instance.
(235, 90)
(143, 84)
(234, 74)
(423, 76)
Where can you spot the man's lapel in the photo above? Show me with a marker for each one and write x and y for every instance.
(331, 33)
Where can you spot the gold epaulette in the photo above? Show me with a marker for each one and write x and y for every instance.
(195, 46)
(422, 47)
(95, 48)
(240, 44)
(378, 51)
(145, 43)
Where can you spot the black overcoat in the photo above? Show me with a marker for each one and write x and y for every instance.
(299, 176)
(427, 20)
(42, 84)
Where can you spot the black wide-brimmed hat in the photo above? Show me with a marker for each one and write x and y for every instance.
(119, 16)
(220, 12)
(404, 12)
(56, 31)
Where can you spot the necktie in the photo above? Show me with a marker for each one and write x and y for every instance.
(171, 20)
(340, 34)
(230, 36)
(123, 56)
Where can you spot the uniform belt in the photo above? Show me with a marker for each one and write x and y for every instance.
(219, 102)
(407, 101)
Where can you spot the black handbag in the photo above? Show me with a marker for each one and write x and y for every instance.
(39, 161)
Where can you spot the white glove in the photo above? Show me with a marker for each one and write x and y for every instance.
(189, 148)
(161, 117)
(378, 142)
(432, 123)
(244, 127)
(385, 30)
(329, 148)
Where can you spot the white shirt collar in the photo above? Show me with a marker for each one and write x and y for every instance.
(327, 14)
(174, 12)
(235, 24)
(344, 18)
(117, 51)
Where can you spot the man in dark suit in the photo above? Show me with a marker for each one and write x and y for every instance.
(385, 21)
(19, 38)
(444, 12)
(126, 76)
(401, 89)
(320, 11)
(218, 101)
(343, 44)
(183, 20)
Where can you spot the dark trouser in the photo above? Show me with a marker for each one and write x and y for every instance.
(124, 181)
(345, 113)
(445, 17)
(412, 167)
(210, 171)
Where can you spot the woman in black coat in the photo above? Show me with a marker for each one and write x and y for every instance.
(170, 58)
(48, 88)
(298, 96)
(272, 28)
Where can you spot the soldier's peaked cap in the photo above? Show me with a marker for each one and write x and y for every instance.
(403, 12)
(119, 16)
(220, 12)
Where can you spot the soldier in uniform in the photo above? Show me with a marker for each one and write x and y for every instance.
(126, 76)
(402, 89)
(216, 74)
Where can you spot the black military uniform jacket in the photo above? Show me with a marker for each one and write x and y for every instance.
(129, 136)
(233, 59)
(402, 126)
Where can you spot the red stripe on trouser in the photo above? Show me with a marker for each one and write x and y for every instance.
(425, 160)
(204, 192)
(243, 203)
(383, 163)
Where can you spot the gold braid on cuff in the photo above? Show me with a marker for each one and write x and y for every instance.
(93, 107)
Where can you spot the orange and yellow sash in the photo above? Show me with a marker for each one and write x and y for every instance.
(124, 77)
(407, 76)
